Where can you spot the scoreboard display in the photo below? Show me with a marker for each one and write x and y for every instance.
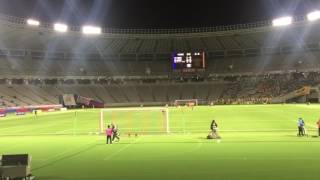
(190, 61)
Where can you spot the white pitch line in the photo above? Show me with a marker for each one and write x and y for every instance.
(61, 154)
(57, 132)
(8, 148)
(120, 150)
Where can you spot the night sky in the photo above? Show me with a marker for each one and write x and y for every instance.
(156, 13)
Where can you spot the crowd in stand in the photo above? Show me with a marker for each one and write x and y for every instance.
(262, 88)
(238, 89)
(249, 100)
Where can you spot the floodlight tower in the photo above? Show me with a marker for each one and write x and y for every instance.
(282, 21)
(313, 16)
(33, 22)
(59, 27)
(93, 30)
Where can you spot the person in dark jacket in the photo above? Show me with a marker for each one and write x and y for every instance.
(115, 132)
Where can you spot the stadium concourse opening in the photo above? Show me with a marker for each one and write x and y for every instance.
(83, 100)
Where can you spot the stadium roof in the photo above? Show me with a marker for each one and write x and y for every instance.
(45, 38)
(156, 13)
(247, 39)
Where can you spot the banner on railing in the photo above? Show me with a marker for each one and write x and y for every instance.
(83, 100)
(89, 102)
(3, 113)
(69, 100)
(96, 104)
(25, 109)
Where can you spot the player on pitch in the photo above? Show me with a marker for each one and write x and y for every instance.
(318, 123)
(115, 132)
(109, 135)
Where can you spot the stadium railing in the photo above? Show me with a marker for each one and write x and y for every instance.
(22, 21)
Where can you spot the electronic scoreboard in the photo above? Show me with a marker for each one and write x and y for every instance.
(189, 61)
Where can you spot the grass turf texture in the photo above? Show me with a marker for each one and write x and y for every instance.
(259, 142)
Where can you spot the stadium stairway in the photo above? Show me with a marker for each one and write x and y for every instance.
(302, 92)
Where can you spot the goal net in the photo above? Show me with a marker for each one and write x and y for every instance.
(186, 102)
(136, 120)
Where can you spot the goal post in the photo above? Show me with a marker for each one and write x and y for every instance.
(136, 120)
(187, 102)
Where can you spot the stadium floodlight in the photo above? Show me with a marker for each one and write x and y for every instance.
(60, 27)
(33, 22)
(314, 16)
(91, 30)
(283, 21)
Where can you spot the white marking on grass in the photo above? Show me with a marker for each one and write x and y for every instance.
(120, 150)
(199, 145)
(38, 159)
(69, 151)
(58, 132)
(38, 126)
(9, 148)
(13, 127)
(59, 156)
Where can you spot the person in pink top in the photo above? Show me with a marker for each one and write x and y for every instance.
(109, 135)
(318, 123)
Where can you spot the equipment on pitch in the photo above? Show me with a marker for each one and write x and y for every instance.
(213, 135)
(305, 132)
(15, 166)
(136, 120)
(209, 136)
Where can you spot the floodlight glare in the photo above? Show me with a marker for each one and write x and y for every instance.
(314, 16)
(91, 30)
(33, 22)
(283, 21)
(60, 27)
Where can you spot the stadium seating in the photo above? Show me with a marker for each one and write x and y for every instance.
(33, 95)
(164, 91)
(237, 62)
(264, 64)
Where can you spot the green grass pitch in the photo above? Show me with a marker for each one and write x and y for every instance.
(258, 142)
